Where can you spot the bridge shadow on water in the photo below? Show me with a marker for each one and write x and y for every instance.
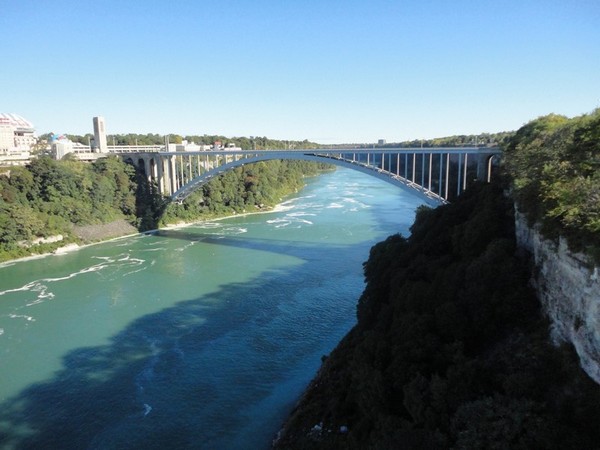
(300, 249)
(179, 378)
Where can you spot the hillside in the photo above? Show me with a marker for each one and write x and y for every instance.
(450, 350)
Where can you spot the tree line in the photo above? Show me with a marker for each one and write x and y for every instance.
(244, 142)
(48, 198)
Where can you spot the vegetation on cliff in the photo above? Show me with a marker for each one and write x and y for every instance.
(554, 164)
(450, 349)
(49, 198)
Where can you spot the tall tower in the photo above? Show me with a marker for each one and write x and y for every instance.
(100, 134)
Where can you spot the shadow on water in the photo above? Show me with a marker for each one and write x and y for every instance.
(166, 380)
(272, 245)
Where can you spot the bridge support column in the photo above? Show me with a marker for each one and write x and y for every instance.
(430, 169)
(172, 174)
(447, 175)
(154, 168)
(148, 170)
(440, 179)
(465, 171)
(458, 184)
(161, 176)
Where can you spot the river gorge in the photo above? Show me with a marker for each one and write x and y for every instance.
(202, 336)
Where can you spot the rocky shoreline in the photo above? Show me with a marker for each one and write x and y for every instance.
(102, 232)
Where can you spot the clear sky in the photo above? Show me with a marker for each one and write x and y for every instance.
(328, 71)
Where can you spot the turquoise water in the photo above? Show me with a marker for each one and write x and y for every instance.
(197, 337)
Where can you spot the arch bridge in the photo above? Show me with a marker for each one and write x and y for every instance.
(437, 175)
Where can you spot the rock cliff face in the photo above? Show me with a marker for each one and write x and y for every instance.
(569, 290)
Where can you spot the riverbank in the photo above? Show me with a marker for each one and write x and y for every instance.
(105, 231)
(119, 229)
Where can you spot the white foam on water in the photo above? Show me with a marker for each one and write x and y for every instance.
(208, 225)
(353, 201)
(157, 242)
(297, 199)
(43, 291)
(235, 230)
(308, 222)
(22, 316)
(26, 287)
(335, 205)
(40, 287)
(300, 214)
(278, 220)
(42, 296)
(134, 271)
(1, 331)
(282, 208)
(186, 246)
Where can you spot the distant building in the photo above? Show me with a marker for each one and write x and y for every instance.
(234, 148)
(186, 146)
(218, 145)
(17, 134)
(17, 137)
(100, 143)
(381, 142)
(60, 146)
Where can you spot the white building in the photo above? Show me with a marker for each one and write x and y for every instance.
(17, 135)
(61, 146)
(185, 146)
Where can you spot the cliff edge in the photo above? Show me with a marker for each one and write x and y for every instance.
(451, 348)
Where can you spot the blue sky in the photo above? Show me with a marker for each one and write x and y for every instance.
(328, 71)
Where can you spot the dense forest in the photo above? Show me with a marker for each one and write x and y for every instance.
(49, 198)
(450, 350)
(554, 165)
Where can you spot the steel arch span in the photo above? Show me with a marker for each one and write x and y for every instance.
(428, 196)
(435, 175)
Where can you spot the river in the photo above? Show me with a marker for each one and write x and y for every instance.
(198, 337)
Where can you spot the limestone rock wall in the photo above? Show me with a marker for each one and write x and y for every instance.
(569, 291)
